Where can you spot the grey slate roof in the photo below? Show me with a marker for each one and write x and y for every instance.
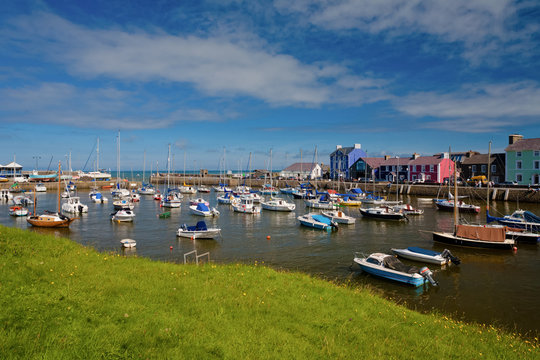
(524, 144)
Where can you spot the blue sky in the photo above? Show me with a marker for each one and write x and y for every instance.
(396, 76)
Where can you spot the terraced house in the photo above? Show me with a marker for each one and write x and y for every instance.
(523, 160)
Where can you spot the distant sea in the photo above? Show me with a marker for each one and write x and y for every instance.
(138, 175)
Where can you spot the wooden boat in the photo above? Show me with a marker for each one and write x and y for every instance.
(425, 255)
(389, 267)
(382, 212)
(51, 219)
(317, 221)
(339, 216)
(199, 231)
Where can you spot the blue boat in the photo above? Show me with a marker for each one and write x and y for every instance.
(389, 267)
(520, 219)
(317, 221)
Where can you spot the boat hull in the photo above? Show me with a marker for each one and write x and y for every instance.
(411, 255)
(49, 221)
(450, 238)
(207, 234)
(382, 215)
(376, 270)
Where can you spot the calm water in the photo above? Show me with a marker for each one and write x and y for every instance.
(490, 286)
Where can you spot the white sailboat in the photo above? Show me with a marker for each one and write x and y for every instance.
(276, 204)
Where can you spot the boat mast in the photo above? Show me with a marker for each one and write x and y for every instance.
(488, 178)
(456, 198)
(144, 166)
(97, 152)
(169, 166)
(118, 160)
(59, 176)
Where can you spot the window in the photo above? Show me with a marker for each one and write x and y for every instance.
(536, 153)
(484, 168)
(493, 169)
(518, 153)
(536, 164)
(383, 168)
(431, 168)
(418, 168)
(473, 168)
(518, 164)
(422, 168)
(519, 177)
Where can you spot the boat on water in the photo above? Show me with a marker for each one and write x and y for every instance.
(199, 231)
(323, 202)
(389, 267)
(226, 198)
(198, 201)
(448, 205)
(407, 209)
(18, 211)
(519, 219)
(317, 221)
(147, 189)
(123, 204)
(245, 204)
(51, 219)
(128, 243)
(277, 204)
(187, 189)
(476, 236)
(203, 189)
(124, 215)
(97, 197)
(74, 205)
(40, 187)
(428, 256)
(339, 216)
(5, 195)
(202, 209)
(383, 212)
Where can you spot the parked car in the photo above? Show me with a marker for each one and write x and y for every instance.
(478, 179)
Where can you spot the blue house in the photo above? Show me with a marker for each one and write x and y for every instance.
(343, 159)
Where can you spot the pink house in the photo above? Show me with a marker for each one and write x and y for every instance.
(430, 168)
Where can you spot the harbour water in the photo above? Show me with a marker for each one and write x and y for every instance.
(490, 286)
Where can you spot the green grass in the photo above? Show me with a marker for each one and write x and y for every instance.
(62, 300)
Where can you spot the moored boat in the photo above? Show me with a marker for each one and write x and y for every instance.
(18, 211)
(202, 209)
(124, 215)
(382, 212)
(199, 231)
(339, 217)
(425, 255)
(277, 204)
(317, 221)
(128, 243)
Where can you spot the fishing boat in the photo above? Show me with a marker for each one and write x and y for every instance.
(50, 219)
(317, 221)
(382, 212)
(277, 204)
(18, 211)
(339, 216)
(245, 204)
(428, 256)
(74, 205)
(202, 209)
(199, 231)
(389, 267)
(124, 215)
(128, 243)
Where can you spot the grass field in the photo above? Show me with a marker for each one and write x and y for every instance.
(62, 300)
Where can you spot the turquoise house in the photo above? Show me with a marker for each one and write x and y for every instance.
(523, 160)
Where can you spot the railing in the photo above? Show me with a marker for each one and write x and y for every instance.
(197, 257)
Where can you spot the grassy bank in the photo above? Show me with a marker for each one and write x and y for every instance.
(62, 300)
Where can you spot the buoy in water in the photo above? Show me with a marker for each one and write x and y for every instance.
(268, 237)
(514, 248)
(170, 248)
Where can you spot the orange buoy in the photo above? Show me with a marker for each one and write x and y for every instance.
(268, 237)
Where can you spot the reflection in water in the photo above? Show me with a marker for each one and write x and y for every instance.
(488, 286)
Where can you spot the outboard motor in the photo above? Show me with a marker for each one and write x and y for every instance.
(448, 255)
(80, 209)
(334, 225)
(425, 272)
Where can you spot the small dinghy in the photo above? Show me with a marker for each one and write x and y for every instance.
(124, 215)
(339, 217)
(128, 243)
(429, 256)
(317, 221)
(203, 210)
(389, 267)
(18, 211)
(199, 231)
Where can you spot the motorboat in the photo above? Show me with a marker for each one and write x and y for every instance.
(123, 204)
(198, 201)
(22, 200)
(339, 216)
(203, 189)
(172, 199)
(18, 211)
(382, 212)
(119, 193)
(428, 256)
(407, 209)
(519, 219)
(187, 189)
(40, 187)
(199, 231)
(74, 205)
(225, 198)
(323, 202)
(448, 205)
(98, 197)
(389, 267)
(277, 204)
(245, 204)
(317, 221)
(124, 215)
(128, 243)
(203, 210)
(135, 197)
(5, 195)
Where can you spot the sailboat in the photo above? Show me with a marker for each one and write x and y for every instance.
(171, 199)
(145, 189)
(50, 219)
(118, 192)
(276, 204)
(471, 235)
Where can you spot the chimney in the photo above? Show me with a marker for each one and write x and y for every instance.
(514, 138)
(338, 147)
(357, 146)
(415, 156)
(386, 157)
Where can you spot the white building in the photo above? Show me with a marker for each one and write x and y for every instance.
(302, 171)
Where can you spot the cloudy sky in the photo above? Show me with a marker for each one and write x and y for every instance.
(396, 76)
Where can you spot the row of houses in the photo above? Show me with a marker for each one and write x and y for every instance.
(520, 163)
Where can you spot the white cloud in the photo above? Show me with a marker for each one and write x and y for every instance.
(483, 27)
(216, 66)
(478, 108)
